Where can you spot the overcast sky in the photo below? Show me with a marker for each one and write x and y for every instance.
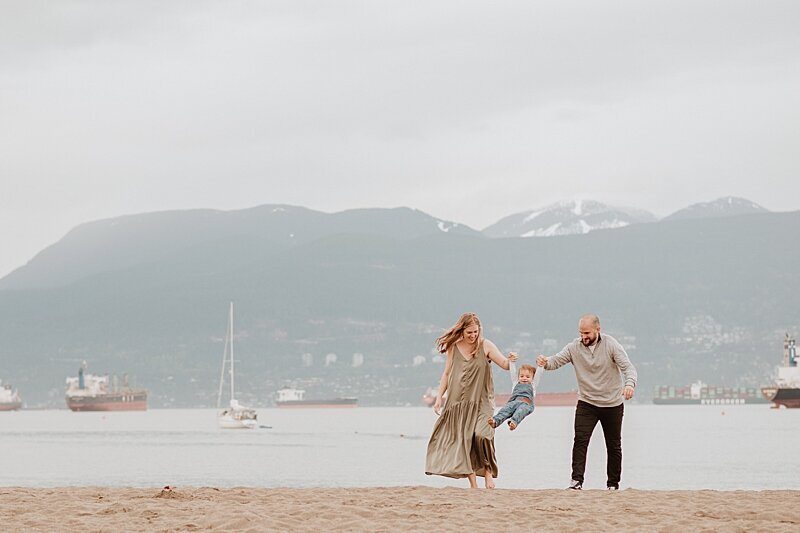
(469, 111)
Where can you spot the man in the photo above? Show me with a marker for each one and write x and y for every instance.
(598, 361)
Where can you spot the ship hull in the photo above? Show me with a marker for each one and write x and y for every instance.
(228, 422)
(306, 404)
(544, 399)
(781, 396)
(708, 401)
(10, 406)
(109, 402)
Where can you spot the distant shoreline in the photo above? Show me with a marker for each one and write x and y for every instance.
(398, 508)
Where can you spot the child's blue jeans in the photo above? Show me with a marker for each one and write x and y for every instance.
(516, 411)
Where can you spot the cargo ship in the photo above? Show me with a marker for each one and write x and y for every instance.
(543, 399)
(9, 398)
(295, 398)
(89, 392)
(429, 398)
(699, 393)
(786, 389)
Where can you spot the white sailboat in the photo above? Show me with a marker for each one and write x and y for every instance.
(235, 416)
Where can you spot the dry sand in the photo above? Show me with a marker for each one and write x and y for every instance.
(394, 509)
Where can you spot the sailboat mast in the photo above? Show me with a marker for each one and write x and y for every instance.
(231, 336)
(222, 372)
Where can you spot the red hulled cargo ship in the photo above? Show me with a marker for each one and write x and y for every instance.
(543, 399)
(89, 392)
(429, 398)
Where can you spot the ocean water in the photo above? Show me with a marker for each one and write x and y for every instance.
(748, 447)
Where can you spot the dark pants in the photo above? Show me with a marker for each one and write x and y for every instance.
(586, 418)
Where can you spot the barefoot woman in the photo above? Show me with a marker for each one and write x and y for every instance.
(462, 443)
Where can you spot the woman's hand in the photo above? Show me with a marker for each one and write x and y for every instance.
(437, 405)
(512, 356)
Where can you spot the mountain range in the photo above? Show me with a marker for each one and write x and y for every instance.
(582, 216)
(142, 238)
(691, 296)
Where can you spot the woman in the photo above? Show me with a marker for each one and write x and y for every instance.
(462, 443)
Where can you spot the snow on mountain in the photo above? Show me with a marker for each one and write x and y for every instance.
(727, 206)
(567, 218)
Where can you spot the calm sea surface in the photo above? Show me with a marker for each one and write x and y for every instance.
(664, 447)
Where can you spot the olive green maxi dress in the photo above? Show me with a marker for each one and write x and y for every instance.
(462, 442)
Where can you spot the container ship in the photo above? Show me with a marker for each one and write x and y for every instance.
(786, 389)
(699, 393)
(89, 392)
(9, 398)
(543, 399)
(295, 398)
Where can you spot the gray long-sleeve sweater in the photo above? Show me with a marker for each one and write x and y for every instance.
(598, 373)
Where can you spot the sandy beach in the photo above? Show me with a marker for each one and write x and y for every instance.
(394, 509)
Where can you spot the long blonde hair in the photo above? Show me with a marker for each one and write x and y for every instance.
(454, 334)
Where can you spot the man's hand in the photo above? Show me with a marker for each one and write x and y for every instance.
(627, 392)
(541, 360)
(437, 405)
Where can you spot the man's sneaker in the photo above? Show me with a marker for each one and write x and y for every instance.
(613, 487)
(575, 485)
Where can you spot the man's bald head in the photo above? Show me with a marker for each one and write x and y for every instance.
(590, 320)
(589, 328)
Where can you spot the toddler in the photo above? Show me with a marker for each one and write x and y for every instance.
(520, 404)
